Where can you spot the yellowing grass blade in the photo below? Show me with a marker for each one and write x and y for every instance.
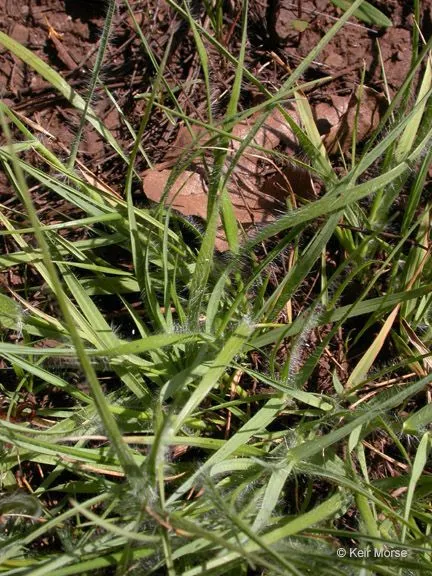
(369, 357)
(418, 344)
(310, 127)
(409, 134)
(360, 371)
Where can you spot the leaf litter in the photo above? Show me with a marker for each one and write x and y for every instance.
(258, 187)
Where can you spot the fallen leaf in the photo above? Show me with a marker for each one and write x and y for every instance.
(187, 139)
(292, 178)
(329, 114)
(361, 112)
(188, 194)
(258, 199)
(252, 204)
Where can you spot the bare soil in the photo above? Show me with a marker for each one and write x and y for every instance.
(65, 34)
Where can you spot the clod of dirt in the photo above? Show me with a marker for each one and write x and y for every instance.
(396, 54)
(283, 16)
(20, 33)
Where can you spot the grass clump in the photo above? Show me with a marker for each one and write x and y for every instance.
(171, 410)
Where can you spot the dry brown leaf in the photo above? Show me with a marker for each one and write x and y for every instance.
(188, 194)
(294, 179)
(186, 139)
(329, 114)
(255, 198)
(252, 204)
(362, 111)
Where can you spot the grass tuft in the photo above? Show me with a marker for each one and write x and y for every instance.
(167, 409)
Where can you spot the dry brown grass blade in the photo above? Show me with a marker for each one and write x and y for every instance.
(418, 345)
(368, 358)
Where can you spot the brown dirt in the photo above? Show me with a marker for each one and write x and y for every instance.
(353, 49)
(65, 34)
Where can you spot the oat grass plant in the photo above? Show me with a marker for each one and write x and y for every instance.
(215, 451)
